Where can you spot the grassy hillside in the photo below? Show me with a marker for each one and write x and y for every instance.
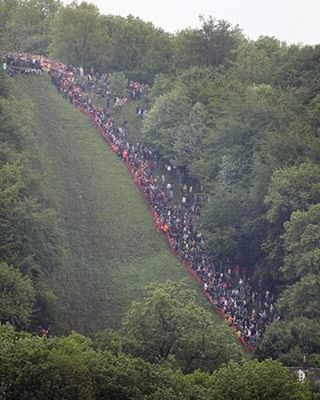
(111, 248)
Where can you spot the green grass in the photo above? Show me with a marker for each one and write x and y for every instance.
(127, 113)
(112, 250)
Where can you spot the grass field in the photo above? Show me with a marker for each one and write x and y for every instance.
(112, 250)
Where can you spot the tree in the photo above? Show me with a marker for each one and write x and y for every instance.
(39, 368)
(5, 12)
(167, 113)
(258, 62)
(214, 44)
(226, 219)
(159, 55)
(17, 297)
(137, 48)
(29, 230)
(202, 85)
(290, 341)
(169, 325)
(119, 84)
(127, 377)
(291, 189)
(177, 127)
(27, 27)
(162, 84)
(78, 36)
(301, 243)
(190, 134)
(219, 41)
(69, 368)
(302, 298)
(129, 38)
(29, 236)
(187, 45)
(253, 380)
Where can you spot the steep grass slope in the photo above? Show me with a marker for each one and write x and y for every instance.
(111, 249)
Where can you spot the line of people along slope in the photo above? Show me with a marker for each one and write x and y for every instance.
(247, 310)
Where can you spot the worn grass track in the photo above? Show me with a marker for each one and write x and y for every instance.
(112, 250)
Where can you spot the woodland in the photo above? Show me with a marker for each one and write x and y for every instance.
(239, 117)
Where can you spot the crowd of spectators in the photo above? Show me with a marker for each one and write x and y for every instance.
(137, 90)
(21, 64)
(247, 309)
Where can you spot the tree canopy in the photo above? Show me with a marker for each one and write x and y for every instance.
(16, 296)
(71, 368)
(30, 244)
(169, 327)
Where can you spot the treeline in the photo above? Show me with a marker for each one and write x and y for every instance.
(75, 367)
(30, 246)
(249, 132)
(80, 35)
(166, 349)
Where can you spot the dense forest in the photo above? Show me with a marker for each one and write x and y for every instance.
(240, 118)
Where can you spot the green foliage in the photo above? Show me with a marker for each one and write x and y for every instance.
(201, 84)
(167, 113)
(213, 44)
(16, 296)
(258, 156)
(242, 116)
(29, 240)
(162, 84)
(79, 35)
(25, 24)
(301, 242)
(119, 84)
(291, 189)
(291, 341)
(82, 41)
(5, 8)
(254, 380)
(69, 368)
(190, 134)
(38, 368)
(176, 127)
(137, 47)
(109, 42)
(302, 298)
(168, 327)
(251, 63)
(257, 152)
(27, 227)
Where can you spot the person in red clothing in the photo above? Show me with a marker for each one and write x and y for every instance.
(158, 222)
(125, 155)
(165, 227)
